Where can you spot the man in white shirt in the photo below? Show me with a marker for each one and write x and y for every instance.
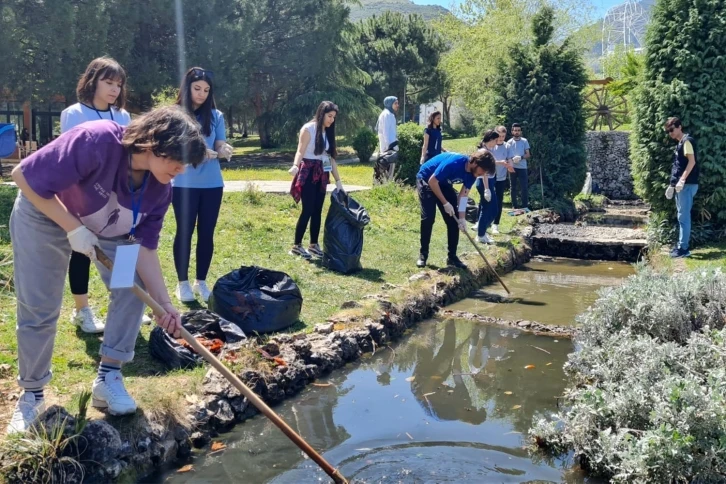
(387, 130)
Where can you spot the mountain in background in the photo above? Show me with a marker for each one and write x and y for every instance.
(368, 8)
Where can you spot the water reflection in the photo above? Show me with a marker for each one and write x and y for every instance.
(451, 403)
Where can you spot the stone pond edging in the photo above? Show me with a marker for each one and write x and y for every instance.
(152, 445)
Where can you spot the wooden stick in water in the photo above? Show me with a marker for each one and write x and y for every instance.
(487, 262)
(227, 373)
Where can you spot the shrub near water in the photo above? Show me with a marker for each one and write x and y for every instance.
(649, 397)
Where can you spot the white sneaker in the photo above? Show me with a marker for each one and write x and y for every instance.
(475, 227)
(200, 287)
(184, 292)
(88, 321)
(484, 239)
(26, 411)
(112, 395)
(495, 229)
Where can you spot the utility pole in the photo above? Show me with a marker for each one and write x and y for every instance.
(405, 88)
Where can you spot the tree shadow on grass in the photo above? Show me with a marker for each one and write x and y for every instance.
(368, 274)
(712, 255)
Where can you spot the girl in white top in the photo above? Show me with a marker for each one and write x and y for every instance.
(386, 126)
(101, 93)
(314, 162)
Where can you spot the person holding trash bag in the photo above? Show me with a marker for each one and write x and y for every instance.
(198, 191)
(101, 94)
(434, 184)
(311, 169)
(387, 137)
(97, 185)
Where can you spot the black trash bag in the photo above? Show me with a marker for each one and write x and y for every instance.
(257, 300)
(343, 242)
(201, 324)
(472, 211)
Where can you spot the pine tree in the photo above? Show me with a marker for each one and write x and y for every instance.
(685, 76)
(539, 86)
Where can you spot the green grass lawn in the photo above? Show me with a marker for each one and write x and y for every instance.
(713, 255)
(251, 146)
(462, 145)
(253, 229)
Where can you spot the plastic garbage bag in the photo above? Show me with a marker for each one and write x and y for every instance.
(343, 242)
(257, 300)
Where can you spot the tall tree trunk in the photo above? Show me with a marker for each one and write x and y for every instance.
(230, 117)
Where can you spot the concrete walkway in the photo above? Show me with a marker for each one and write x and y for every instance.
(266, 186)
(279, 186)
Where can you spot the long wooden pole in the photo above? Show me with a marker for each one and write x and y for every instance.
(227, 373)
(487, 262)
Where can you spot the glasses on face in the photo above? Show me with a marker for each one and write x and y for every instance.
(200, 74)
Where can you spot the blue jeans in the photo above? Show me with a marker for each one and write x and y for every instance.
(520, 183)
(684, 204)
(487, 210)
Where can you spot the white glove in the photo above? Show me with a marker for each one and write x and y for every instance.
(294, 170)
(225, 151)
(211, 154)
(462, 225)
(679, 186)
(669, 192)
(83, 241)
(488, 195)
(517, 159)
(449, 209)
(339, 185)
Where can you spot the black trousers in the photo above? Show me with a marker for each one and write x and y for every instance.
(429, 202)
(501, 186)
(312, 199)
(79, 269)
(195, 207)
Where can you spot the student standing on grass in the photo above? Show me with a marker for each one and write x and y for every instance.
(487, 188)
(432, 138)
(434, 184)
(311, 169)
(103, 185)
(683, 181)
(198, 191)
(501, 153)
(519, 153)
(101, 94)
(387, 130)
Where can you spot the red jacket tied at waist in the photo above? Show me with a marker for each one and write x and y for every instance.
(311, 171)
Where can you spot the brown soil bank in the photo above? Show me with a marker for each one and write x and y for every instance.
(127, 449)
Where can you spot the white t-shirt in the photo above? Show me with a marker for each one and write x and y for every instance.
(310, 149)
(387, 130)
(79, 113)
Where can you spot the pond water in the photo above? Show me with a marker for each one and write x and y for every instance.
(547, 291)
(452, 402)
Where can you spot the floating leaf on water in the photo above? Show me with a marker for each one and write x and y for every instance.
(218, 446)
(186, 468)
(411, 378)
(436, 377)
(451, 391)
(516, 407)
(507, 393)
(557, 341)
(548, 364)
(529, 367)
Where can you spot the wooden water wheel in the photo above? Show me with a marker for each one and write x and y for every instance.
(603, 107)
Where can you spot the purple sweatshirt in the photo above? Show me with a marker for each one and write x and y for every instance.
(88, 169)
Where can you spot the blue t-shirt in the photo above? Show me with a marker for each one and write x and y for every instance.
(518, 148)
(209, 173)
(447, 168)
(434, 146)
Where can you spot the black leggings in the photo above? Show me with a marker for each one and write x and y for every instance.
(312, 198)
(501, 186)
(78, 273)
(195, 207)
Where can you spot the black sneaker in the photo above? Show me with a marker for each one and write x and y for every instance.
(455, 262)
(315, 251)
(298, 250)
(678, 253)
(421, 262)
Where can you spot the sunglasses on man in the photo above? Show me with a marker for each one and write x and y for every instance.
(200, 74)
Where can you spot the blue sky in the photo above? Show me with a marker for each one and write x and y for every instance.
(600, 6)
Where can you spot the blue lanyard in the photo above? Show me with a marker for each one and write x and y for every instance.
(110, 111)
(136, 202)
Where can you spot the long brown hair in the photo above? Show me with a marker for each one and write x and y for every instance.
(432, 117)
(206, 111)
(324, 108)
(98, 70)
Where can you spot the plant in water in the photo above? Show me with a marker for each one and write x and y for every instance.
(649, 386)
